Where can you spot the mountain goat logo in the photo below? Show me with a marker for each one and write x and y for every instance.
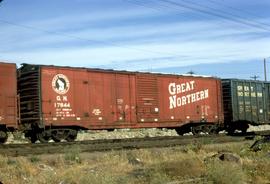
(60, 84)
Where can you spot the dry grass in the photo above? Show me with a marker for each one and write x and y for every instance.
(225, 172)
(192, 164)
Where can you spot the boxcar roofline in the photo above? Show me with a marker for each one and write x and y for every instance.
(121, 71)
(245, 80)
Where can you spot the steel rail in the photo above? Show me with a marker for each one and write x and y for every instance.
(114, 144)
(122, 144)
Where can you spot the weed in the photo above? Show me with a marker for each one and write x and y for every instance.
(11, 161)
(73, 155)
(219, 172)
(3, 161)
(195, 147)
(34, 159)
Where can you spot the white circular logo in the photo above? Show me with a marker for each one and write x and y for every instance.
(60, 84)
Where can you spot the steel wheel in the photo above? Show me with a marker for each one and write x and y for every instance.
(196, 130)
(42, 137)
(71, 136)
(58, 135)
(56, 139)
(213, 130)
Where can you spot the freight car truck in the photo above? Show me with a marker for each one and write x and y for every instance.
(245, 102)
(8, 100)
(56, 102)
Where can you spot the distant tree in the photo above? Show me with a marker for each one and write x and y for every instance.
(191, 72)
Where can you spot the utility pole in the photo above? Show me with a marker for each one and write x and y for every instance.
(264, 64)
(255, 77)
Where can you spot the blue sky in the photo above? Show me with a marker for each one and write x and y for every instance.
(224, 38)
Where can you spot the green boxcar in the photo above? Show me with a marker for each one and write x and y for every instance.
(245, 102)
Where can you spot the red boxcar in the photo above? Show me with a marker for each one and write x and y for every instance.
(59, 99)
(8, 99)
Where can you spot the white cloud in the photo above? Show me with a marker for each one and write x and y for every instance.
(131, 45)
(162, 33)
(123, 58)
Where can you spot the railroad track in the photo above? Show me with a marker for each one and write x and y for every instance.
(113, 144)
(120, 144)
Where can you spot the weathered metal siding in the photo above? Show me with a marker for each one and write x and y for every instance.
(89, 99)
(267, 101)
(186, 99)
(147, 98)
(64, 96)
(8, 95)
(104, 99)
(246, 100)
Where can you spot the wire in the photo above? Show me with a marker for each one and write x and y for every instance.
(226, 17)
(159, 7)
(230, 14)
(170, 4)
(235, 9)
(85, 39)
